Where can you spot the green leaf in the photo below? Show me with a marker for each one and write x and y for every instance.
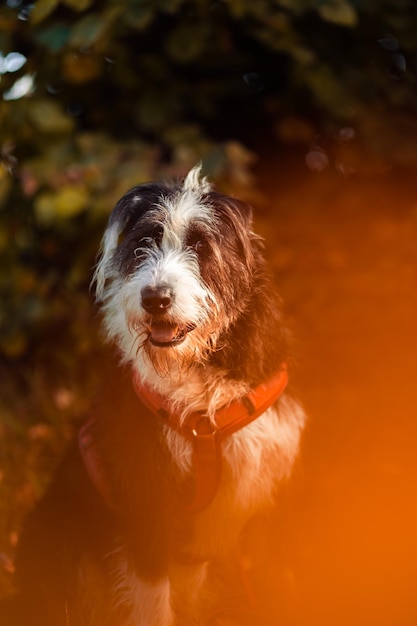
(42, 9)
(169, 6)
(187, 42)
(48, 117)
(139, 14)
(54, 37)
(328, 91)
(68, 202)
(156, 111)
(89, 29)
(339, 12)
(44, 208)
(238, 8)
(78, 5)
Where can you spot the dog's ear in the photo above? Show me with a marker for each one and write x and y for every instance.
(132, 206)
(238, 216)
(242, 210)
(248, 240)
(108, 246)
(233, 208)
(129, 209)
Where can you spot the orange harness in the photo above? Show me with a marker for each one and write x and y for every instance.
(206, 437)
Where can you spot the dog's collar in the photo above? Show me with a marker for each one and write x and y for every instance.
(206, 436)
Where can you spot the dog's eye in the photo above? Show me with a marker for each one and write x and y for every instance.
(197, 242)
(199, 245)
(153, 238)
(157, 235)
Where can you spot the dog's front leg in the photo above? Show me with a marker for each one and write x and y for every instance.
(151, 603)
(188, 580)
(141, 602)
(175, 599)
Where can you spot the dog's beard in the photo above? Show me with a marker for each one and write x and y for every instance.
(196, 347)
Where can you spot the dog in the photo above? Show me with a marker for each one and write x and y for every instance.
(193, 431)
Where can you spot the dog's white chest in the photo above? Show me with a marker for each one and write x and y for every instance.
(254, 460)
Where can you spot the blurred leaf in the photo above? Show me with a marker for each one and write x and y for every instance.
(48, 117)
(328, 90)
(239, 8)
(295, 129)
(78, 5)
(53, 37)
(89, 29)
(239, 155)
(187, 41)
(339, 12)
(13, 345)
(169, 6)
(81, 68)
(42, 9)
(295, 6)
(68, 202)
(45, 208)
(139, 14)
(156, 109)
(189, 134)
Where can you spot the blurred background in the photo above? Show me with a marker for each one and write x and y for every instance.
(305, 108)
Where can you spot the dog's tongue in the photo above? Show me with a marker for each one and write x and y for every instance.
(164, 333)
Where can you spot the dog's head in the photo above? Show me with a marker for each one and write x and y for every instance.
(176, 269)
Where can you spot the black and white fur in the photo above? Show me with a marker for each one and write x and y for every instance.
(186, 298)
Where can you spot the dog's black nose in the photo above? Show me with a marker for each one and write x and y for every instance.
(156, 299)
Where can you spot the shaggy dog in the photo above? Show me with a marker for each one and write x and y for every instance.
(192, 434)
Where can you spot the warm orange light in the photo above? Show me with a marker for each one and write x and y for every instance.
(344, 543)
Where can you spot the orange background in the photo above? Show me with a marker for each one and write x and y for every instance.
(343, 546)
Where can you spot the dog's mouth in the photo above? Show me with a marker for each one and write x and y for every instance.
(166, 334)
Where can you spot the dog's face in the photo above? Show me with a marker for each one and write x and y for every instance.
(176, 271)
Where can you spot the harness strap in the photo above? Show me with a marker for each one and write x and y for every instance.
(206, 436)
